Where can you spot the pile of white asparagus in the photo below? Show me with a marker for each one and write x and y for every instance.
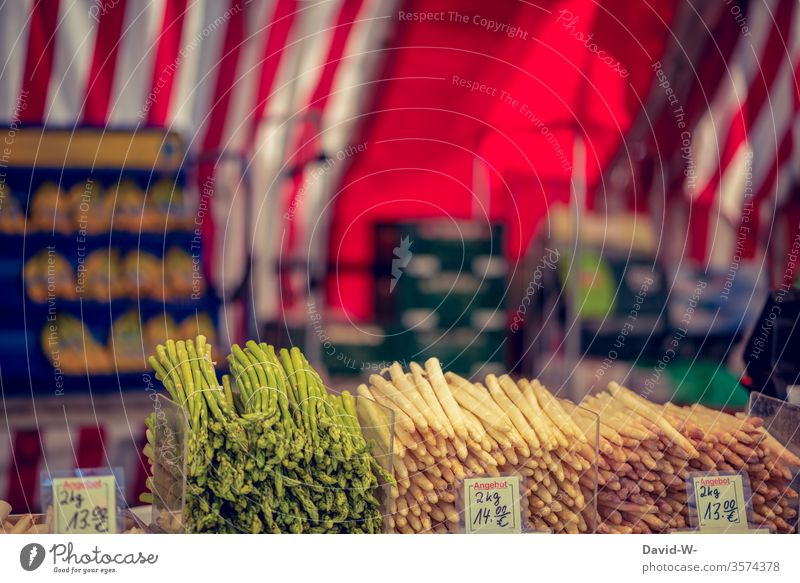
(647, 452)
(626, 475)
(448, 428)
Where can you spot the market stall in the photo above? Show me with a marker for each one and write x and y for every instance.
(399, 267)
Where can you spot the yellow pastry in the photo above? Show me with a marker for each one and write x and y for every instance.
(126, 343)
(51, 209)
(183, 275)
(12, 218)
(128, 201)
(157, 329)
(91, 207)
(143, 275)
(48, 274)
(103, 280)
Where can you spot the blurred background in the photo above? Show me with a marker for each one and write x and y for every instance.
(571, 189)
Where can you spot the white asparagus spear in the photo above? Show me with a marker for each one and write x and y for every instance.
(399, 402)
(481, 405)
(513, 412)
(5, 510)
(428, 394)
(445, 396)
(409, 390)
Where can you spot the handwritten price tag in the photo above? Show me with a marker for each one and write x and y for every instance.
(85, 505)
(492, 505)
(720, 502)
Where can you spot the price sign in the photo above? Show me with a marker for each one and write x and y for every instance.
(492, 505)
(85, 505)
(720, 502)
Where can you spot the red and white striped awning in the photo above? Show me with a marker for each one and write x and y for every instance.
(263, 89)
(742, 111)
(743, 145)
(260, 89)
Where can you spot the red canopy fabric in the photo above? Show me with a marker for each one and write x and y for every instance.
(511, 83)
(473, 114)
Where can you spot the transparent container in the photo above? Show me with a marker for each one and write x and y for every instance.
(171, 470)
(588, 478)
(538, 505)
(377, 426)
(169, 466)
(631, 485)
(782, 421)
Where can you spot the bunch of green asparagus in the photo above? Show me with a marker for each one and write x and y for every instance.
(268, 448)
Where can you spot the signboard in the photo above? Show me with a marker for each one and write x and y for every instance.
(82, 501)
(492, 505)
(719, 502)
